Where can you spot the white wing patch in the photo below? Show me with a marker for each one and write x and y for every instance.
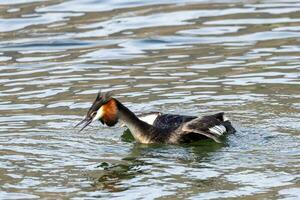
(219, 129)
(225, 118)
(150, 118)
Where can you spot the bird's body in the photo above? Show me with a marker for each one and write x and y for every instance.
(189, 128)
(157, 127)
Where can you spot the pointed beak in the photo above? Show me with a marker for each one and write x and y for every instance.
(86, 121)
(89, 119)
(81, 122)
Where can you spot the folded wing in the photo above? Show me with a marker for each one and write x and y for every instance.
(211, 126)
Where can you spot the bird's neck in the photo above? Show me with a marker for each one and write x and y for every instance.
(140, 130)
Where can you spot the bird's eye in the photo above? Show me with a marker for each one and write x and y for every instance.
(93, 113)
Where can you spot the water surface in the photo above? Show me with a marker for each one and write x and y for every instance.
(189, 57)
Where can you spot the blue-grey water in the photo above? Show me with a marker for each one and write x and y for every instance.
(175, 56)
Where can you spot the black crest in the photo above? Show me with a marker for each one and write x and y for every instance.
(102, 98)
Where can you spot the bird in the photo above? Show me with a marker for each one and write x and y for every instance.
(157, 127)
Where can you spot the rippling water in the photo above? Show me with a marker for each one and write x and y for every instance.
(190, 57)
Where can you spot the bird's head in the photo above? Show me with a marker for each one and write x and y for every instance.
(104, 109)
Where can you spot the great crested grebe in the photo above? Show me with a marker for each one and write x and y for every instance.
(156, 127)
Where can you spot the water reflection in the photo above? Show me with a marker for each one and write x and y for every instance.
(146, 160)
